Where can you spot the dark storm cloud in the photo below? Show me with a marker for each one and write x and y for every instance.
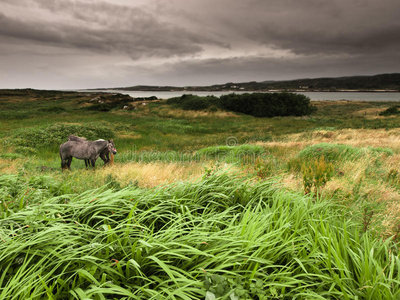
(188, 42)
(311, 26)
(103, 27)
(302, 27)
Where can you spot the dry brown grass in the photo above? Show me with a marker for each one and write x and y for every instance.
(355, 182)
(353, 137)
(128, 135)
(370, 113)
(9, 166)
(169, 112)
(152, 174)
(391, 220)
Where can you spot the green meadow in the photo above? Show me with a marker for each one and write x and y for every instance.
(198, 204)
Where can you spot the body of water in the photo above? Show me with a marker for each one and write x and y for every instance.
(351, 96)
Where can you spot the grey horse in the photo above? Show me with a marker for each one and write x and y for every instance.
(87, 150)
(104, 155)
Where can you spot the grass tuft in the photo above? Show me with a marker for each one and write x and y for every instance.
(339, 152)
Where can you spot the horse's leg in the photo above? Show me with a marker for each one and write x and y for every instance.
(86, 163)
(69, 162)
(104, 157)
(63, 163)
(93, 161)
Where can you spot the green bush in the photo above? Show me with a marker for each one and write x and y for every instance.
(265, 166)
(193, 102)
(255, 104)
(316, 174)
(268, 104)
(107, 102)
(54, 135)
(393, 110)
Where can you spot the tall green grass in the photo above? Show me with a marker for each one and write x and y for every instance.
(339, 152)
(231, 154)
(217, 237)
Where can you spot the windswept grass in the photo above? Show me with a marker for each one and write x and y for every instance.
(339, 152)
(166, 224)
(231, 154)
(173, 242)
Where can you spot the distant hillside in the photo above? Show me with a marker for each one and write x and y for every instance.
(376, 82)
(385, 82)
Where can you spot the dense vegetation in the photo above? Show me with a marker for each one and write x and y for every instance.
(268, 104)
(221, 236)
(193, 102)
(254, 104)
(199, 204)
(393, 110)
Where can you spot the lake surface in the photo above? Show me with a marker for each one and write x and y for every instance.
(351, 96)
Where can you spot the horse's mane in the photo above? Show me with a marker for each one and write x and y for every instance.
(76, 138)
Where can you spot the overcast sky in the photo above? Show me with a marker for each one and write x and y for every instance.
(63, 44)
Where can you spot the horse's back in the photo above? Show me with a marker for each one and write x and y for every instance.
(78, 150)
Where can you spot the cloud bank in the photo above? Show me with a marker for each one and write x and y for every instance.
(88, 43)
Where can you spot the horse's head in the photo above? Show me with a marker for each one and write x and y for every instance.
(111, 147)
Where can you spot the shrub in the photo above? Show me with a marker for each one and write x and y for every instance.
(316, 174)
(268, 104)
(54, 135)
(265, 166)
(255, 104)
(193, 102)
(107, 102)
(393, 110)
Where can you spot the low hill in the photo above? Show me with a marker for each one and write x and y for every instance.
(381, 82)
